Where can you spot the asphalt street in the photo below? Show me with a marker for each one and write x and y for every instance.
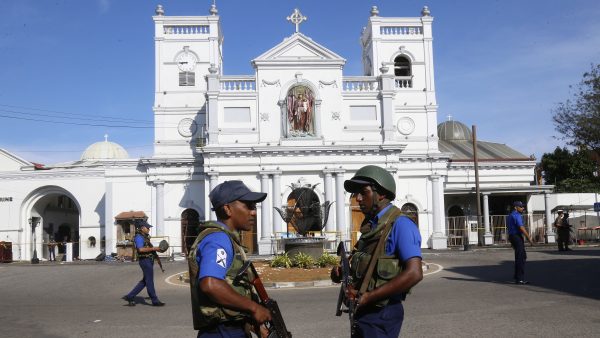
(464, 294)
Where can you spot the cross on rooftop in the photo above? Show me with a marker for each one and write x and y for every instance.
(296, 18)
(449, 117)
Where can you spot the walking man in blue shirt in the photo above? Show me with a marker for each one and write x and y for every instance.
(145, 252)
(516, 231)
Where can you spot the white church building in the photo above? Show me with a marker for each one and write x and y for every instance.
(297, 123)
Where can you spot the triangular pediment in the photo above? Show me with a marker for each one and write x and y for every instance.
(11, 162)
(299, 48)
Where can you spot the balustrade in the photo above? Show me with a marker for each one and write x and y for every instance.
(239, 84)
(400, 30)
(187, 29)
(403, 81)
(360, 84)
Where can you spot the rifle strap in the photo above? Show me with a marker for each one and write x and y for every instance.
(388, 221)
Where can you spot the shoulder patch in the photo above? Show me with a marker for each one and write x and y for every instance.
(221, 258)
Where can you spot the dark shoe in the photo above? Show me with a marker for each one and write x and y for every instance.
(521, 282)
(567, 249)
(130, 301)
(159, 303)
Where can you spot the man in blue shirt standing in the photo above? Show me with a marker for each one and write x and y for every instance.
(390, 242)
(223, 301)
(516, 231)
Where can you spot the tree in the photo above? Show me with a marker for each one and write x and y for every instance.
(570, 171)
(578, 119)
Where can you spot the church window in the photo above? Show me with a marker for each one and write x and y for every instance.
(402, 66)
(300, 106)
(187, 79)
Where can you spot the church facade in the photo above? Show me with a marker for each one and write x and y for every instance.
(295, 129)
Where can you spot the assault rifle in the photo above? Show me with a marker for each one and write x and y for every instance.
(276, 325)
(344, 303)
(155, 255)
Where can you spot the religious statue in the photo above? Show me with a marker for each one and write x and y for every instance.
(300, 104)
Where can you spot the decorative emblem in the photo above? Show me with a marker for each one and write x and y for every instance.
(296, 18)
(328, 83)
(335, 115)
(187, 127)
(405, 125)
(264, 117)
(271, 83)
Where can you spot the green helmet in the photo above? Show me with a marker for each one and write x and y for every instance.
(372, 175)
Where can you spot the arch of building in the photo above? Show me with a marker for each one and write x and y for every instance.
(49, 221)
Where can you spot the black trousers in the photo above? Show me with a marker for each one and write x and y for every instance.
(518, 245)
(563, 238)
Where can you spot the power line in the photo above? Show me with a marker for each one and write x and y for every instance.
(69, 117)
(75, 123)
(71, 114)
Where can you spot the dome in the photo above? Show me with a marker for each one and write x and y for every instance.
(454, 131)
(104, 150)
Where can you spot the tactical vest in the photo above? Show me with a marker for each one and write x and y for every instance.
(387, 267)
(205, 312)
(147, 244)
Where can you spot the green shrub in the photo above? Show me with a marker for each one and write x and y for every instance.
(303, 261)
(327, 260)
(281, 261)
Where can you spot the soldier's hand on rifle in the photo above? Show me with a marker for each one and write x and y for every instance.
(260, 314)
(336, 274)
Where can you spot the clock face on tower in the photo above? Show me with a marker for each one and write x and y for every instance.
(187, 127)
(186, 61)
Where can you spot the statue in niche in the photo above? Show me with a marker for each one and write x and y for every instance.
(300, 110)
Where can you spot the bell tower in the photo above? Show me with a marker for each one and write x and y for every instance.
(186, 47)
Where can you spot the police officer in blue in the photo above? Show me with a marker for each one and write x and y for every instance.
(145, 253)
(223, 301)
(389, 241)
(516, 232)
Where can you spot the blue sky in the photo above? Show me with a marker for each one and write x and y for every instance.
(501, 65)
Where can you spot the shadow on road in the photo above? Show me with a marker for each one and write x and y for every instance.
(577, 276)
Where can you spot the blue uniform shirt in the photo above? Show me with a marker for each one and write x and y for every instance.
(138, 240)
(404, 241)
(215, 255)
(513, 222)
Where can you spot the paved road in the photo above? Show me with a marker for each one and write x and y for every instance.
(470, 297)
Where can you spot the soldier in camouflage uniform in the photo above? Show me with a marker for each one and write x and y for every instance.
(223, 301)
(392, 244)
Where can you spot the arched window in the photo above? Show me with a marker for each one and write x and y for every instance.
(411, 211)
(402, 66)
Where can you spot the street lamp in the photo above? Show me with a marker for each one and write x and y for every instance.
(34, 221)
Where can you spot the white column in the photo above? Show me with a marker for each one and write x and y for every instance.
(212, 183)
(264, 244)
(110, 245)
(330, 226)
(340, 206)
(550, 235)
(160, 208)
(488, 238)
(438, 238)
(276, 202)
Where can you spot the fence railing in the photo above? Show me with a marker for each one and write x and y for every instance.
(461, 228)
